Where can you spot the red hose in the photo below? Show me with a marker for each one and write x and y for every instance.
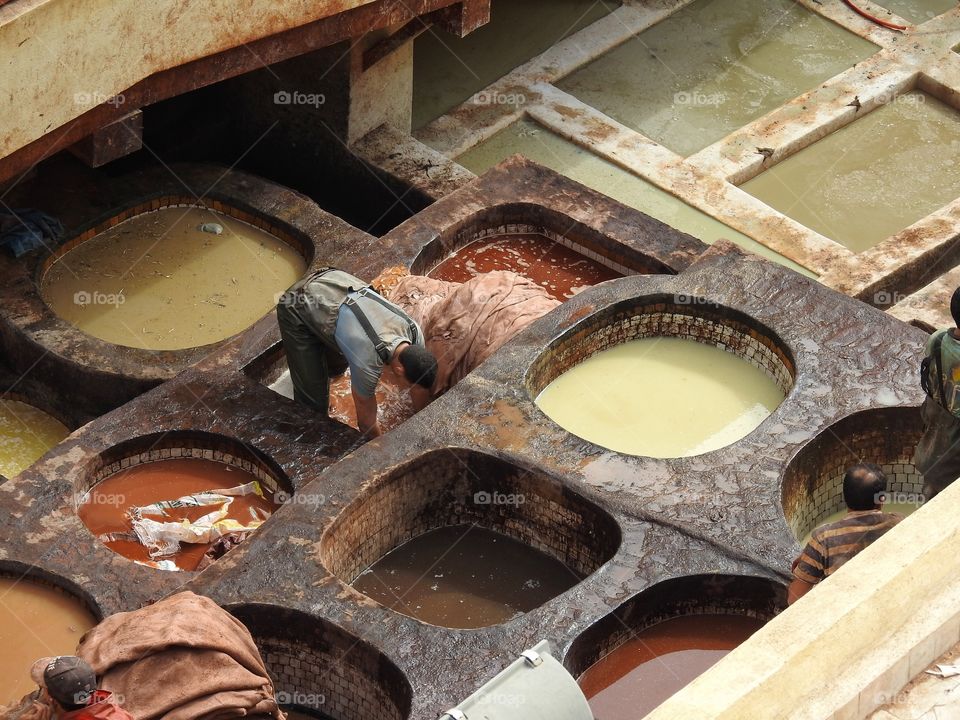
(873, 18)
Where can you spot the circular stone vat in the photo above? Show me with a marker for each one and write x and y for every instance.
(176, 277)
(26, 434)
(509, 539)
(812, 491)
(321, 671)
(129, 502)
(38, 618)
(662, 378)
(662, 639)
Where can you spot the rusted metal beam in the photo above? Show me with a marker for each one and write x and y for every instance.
(464, 17)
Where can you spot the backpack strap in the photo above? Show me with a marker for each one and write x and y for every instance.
(381, 347)
(936, 359)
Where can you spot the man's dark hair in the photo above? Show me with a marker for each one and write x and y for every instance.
(955, 306)
(419, 365)
(863, 486)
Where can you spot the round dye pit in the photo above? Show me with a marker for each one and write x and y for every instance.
(138, 509)
(158, 282)
(36, 620)
(26, 433)
(657, 642)
(322, 672)
(461, 539)
(557, 268)
(465, 577)
(661, 397)
(653, 378)
(812, 491)
(660, 660)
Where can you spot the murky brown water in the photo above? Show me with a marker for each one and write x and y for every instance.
(557, 268)
(643, 672)
(464, 576)
(35, 621)
(105, 507)
(157, 282)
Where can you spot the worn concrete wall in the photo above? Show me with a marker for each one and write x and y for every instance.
(56, 67)
(382, 93)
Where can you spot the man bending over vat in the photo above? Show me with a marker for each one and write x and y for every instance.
(833, 544)
(331, 320)
(938, 452)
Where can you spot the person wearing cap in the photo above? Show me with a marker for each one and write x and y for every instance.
(331, 320)
(71, 684)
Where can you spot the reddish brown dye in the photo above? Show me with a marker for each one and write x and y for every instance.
(562, 271)
(465, 576)
(107, 504)
(393, 401)
(650, 667)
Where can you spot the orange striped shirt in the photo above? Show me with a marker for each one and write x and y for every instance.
(833, 544)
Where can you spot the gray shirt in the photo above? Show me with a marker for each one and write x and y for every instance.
(393, 328)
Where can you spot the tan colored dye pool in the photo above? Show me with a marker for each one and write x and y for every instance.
(26, 433)
(661, 397)
(549, 149)
(157, 282)
(36, 621)
(714, 66)
(872, 178)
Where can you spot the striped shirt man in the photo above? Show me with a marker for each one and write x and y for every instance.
(833, 544)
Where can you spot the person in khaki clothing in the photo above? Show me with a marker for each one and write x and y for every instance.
(332, 320)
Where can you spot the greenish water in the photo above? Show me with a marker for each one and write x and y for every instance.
(713, 67)
(918, 11)
(872, 178)
(447, 70)
(549, 149)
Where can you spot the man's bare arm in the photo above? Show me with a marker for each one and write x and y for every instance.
(367, 415)
(797, 589)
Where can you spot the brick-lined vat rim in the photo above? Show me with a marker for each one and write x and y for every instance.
(601, 542)
(519, 190)
(15, 570)
(269, 621)
(672, 597)
(180, 445)
(804, 476)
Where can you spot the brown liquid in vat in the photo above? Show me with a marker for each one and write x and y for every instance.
(465, 576)
(105, 508)
(562, 271)
(657, 662)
